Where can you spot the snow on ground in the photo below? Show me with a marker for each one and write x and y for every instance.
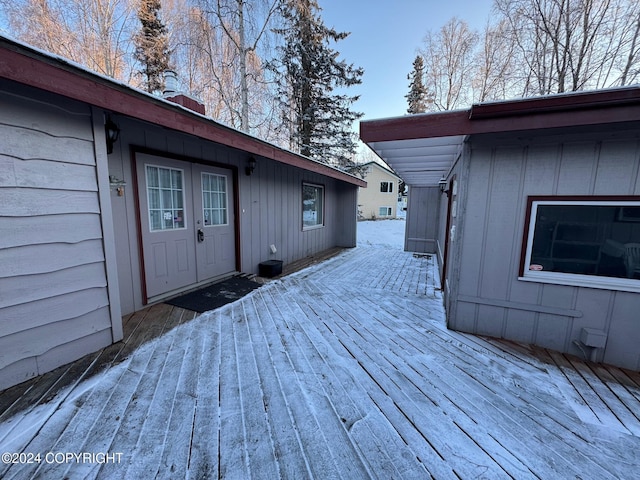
(389, 233)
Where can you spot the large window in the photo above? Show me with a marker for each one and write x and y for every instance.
(214, 199)
(312, 206)
(593, 241)
(165, 196)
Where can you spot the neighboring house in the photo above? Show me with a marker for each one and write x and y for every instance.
(536, 216)
(112, 199)
(380, 198)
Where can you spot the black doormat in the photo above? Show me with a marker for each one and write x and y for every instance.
(216, 295)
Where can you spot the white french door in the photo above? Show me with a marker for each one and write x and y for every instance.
(187, 223)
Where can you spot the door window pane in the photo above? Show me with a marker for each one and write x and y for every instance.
(214, 199)
(165, 198)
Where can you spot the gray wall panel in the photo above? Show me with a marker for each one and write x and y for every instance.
(422, 219)
(270, 205)
(503, 171)
(53, 287)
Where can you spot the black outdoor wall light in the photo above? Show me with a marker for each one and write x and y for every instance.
(112, 132)
(442, 184)
(251, 166)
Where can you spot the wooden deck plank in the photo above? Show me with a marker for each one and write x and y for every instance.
(539, 406)
(371, 364)
(290, 454)
(625, 420)
(623, 395)
(317, 453)
(342, 370)
(177, 446)
(474, 357)
(404, 368)
(204, 444)
(156, 437)
(259, 445)
(348, 397)
(232, 452)
(338, 443)
(132, 403)
(441, 430)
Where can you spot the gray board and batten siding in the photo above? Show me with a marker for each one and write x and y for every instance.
(496, 175)
(55, 274)
(422, 220)
(269, 203)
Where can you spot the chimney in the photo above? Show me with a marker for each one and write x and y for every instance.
(172, 93)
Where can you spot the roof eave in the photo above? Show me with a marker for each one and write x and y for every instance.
(31, 67)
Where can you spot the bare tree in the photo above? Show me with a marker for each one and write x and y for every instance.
(569, 45)
(95, 33)
(242, 26)
(207, 60)
(495, 74)
(449, 64)
(629, 44)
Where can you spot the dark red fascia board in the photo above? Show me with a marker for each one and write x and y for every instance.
(428, 125)
(577, 109)
(595, 99)
(31, 68)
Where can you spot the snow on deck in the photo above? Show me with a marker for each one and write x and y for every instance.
(343, 370)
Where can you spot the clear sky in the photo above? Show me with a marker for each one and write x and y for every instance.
(385, 36)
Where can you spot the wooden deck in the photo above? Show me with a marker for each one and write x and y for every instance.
(342, 370)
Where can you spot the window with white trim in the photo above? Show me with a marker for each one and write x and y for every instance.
(385, 211)
(592, 242)
(386, 187)
(312, 206)
(165, 198)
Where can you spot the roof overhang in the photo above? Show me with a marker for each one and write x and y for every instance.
(29, 66)
(421, 161)
(422, 148)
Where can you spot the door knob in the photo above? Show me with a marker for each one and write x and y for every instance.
(200, 235)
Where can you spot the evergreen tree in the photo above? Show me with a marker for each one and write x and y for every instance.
(417, 98)
(152, 45)
(318, 120)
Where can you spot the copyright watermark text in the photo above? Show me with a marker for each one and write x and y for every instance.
(61, 457)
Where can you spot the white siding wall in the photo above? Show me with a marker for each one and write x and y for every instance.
(488, 298)
(54, 304)
(370, 199)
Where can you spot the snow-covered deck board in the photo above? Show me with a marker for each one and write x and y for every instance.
(343, 370)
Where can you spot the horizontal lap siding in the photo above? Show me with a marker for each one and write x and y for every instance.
(371, 198)
(491, 299)
(54, 305)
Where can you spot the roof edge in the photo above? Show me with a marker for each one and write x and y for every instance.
(608, 106)
(30, 66)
